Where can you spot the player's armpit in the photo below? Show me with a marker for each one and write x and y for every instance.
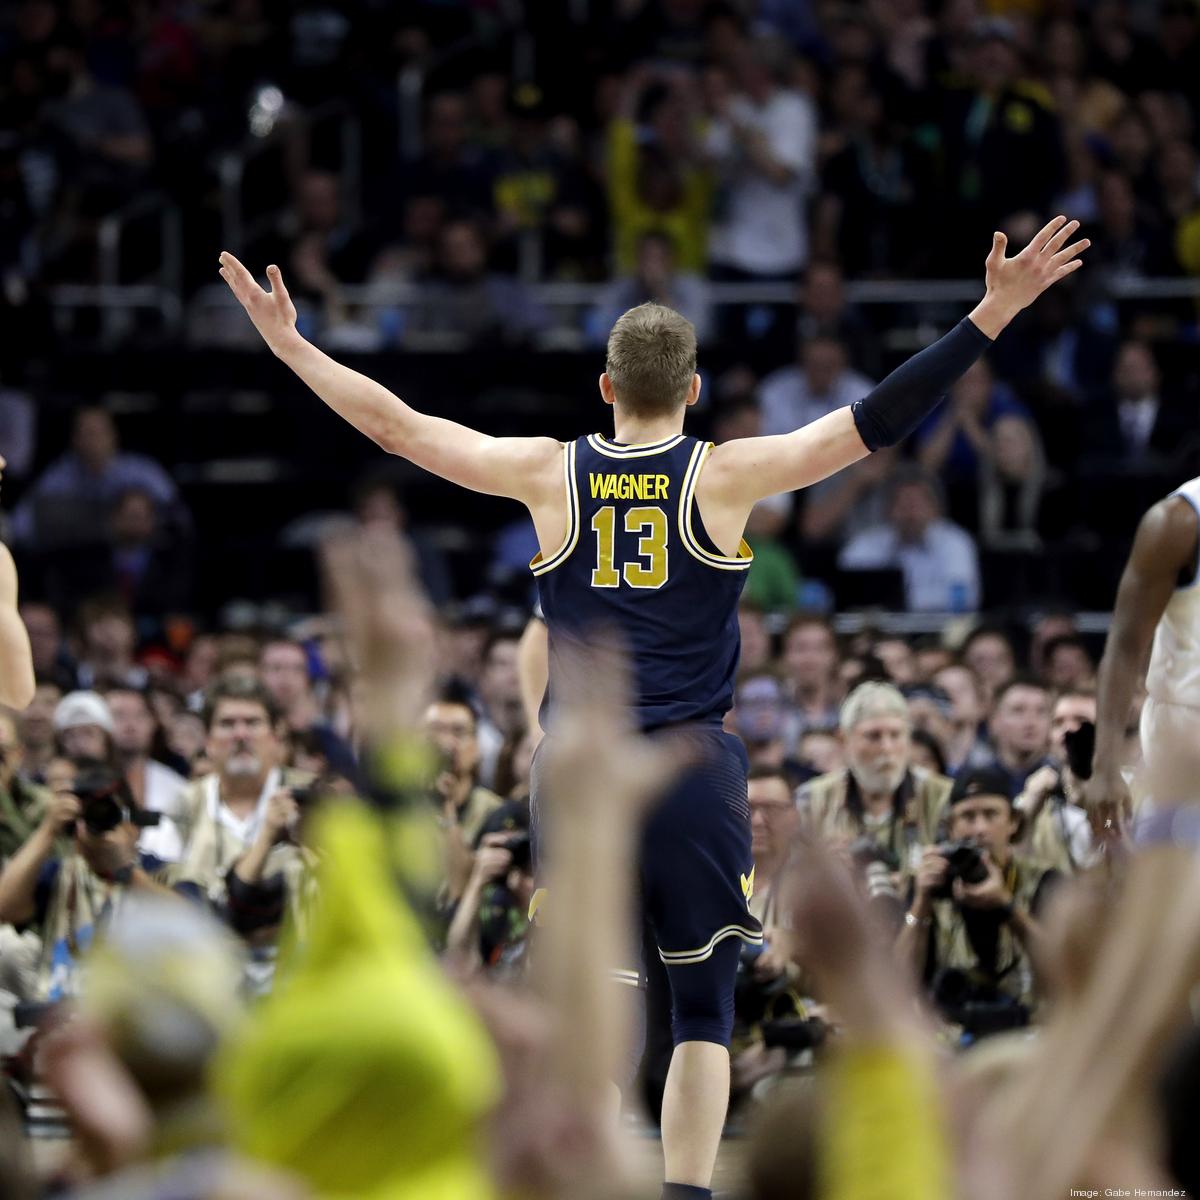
(748, 469)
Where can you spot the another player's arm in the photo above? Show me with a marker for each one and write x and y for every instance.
(749, 469)
(17, 683)
(519, 468)
(1163, 550)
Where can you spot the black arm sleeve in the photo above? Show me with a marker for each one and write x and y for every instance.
(889, 413)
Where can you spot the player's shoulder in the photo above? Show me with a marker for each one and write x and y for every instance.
(1167, 533)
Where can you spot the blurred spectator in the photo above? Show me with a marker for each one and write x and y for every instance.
(501, 716)
(1136, 425)
(286, 673)
(464, 298)
(755, 638)
(868, 216)
(154, 786)
(1000, 145)
(1055, 830)
(849, 502)
(51, 660)
(938, 559)
(22, 803)
(774, 820)
(897, 657)
(809, 661)
(955, 439)
(151, 572)
(822, 382)
(1128, 243)
(976, 944)
(1068, 663)
(490, 927)
(930, 655)
(824, 311)
(773, 581)
(70, 501)
(965, 745)
(1051, 624)
(989, 654)
(763, 140)
(820, 751)
(654, 280)
(760, 717)
(67, 892)
(1020, 729)
(657, 181)
(107, 640)
(1012, 486)
(879, 795)
(37, 729)
(452, 168)
(84, 727)
(451, 726)
(221, 812)
(18, 419)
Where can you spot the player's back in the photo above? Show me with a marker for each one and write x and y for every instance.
(1174, 673)
(637, 561)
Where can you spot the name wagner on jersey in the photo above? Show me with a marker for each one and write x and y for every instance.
(620, 486)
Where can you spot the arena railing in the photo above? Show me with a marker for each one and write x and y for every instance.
(569, 304)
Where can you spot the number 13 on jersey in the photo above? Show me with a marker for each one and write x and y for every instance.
(650, 568)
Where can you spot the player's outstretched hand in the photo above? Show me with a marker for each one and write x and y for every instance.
(273, 313)
(1017, 282)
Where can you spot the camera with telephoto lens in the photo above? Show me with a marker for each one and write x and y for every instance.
(980, 1008)
(105, 801)
(1080, 745)
(966, 862)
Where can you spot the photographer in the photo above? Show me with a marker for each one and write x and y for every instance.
(66, 890)
(879, 795)
(451, 725)
(1055, 829)
(971, 930)
(490, 927)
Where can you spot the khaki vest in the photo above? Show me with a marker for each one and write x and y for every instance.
(824, 803)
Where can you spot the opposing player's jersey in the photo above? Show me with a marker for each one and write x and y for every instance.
(1174, 673)
(636, 560)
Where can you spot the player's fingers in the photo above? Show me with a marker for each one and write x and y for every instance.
(1071, 251)
(1057, 241)
(279, 292)
(999, 244)
(1067, 268)
(238, 273)
(1047, 231)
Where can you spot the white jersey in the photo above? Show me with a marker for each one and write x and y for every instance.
(1174, 674)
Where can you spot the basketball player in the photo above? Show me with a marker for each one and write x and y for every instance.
(16, 655)
(1158, 601)
(643, 531)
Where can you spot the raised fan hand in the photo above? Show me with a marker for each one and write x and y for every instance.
(371, 582)
(273, 313)
(1016, 282)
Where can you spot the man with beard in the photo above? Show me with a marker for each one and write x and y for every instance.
(879, 795)
(221, 813)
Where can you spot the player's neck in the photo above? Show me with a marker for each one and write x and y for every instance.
(633, 430)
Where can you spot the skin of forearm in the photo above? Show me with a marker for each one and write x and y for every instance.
(249, 868)
(462, 938)
(1120, 671)
(19, 877)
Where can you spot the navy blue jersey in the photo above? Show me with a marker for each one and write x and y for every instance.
(636, 560)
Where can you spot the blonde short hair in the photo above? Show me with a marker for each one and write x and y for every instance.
(651, 359)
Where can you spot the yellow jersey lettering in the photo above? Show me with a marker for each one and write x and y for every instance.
(628, 487)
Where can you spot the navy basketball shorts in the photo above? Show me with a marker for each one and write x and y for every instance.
(696, 875)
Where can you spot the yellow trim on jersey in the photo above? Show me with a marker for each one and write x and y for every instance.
(745, 555)
(611, 450)
(539, 565)
(681, 958)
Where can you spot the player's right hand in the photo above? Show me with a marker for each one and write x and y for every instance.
(1107, 800)
(273, 313)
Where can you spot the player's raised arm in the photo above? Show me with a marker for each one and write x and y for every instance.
(745, 471)
(1163, 551)
(17, 683)
(520, 468)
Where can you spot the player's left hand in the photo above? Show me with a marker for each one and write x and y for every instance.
(273, 313)
(1017, 282)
